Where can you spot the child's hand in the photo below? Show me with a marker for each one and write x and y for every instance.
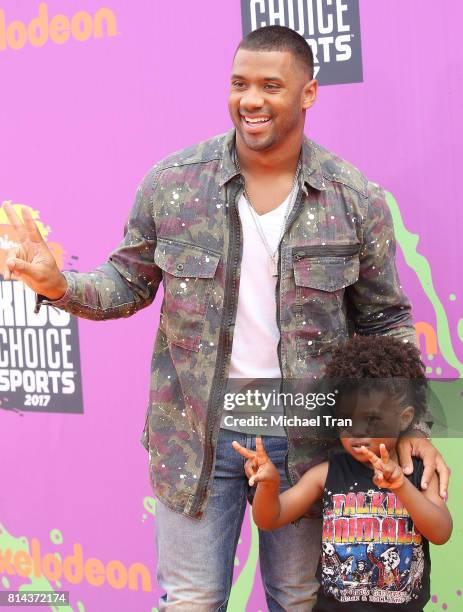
(388, 473)
(258, 466)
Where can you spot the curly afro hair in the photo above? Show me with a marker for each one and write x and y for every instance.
(375, 363)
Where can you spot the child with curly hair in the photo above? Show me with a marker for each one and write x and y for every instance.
(376, 521)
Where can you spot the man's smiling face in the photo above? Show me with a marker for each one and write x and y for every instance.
(269, 94)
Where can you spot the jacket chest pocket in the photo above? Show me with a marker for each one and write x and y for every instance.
(321, 274)
(188, 276)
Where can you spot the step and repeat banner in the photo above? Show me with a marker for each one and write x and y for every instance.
(93, 94)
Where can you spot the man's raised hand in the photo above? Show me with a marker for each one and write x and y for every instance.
(388, 473)
(258, 466)
(32, 261)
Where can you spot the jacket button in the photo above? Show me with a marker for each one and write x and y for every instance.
(180, 267)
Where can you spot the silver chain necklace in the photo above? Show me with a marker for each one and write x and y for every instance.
(273, 256)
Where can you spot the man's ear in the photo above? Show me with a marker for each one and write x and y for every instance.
(406, 418)
(309, 94)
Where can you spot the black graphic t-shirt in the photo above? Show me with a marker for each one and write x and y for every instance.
(373, 558)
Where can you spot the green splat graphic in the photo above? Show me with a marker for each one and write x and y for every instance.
(242, 588)
(446, 582)
(460, 329)
(149, 504)
(56, 536)
(7, 541)
(420, 265)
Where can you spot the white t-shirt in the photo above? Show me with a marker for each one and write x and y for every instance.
(256, 335)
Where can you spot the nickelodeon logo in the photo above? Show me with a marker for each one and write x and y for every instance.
(73, 568)
(58, 29)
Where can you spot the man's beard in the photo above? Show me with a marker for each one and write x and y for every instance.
(258, 145)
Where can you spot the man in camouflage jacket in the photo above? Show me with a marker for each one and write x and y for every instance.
(337, 271)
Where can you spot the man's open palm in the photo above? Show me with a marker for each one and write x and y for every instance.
(32, 261)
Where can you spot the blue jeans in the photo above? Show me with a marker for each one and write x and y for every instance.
(196, 557)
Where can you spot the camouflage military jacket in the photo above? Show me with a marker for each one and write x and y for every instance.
(337, 275)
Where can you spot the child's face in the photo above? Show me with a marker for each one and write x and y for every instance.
(376, 419)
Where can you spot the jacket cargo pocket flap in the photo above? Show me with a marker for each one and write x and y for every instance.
(185, 260)
(326, 274)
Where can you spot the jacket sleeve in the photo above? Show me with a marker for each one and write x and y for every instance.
(128, 281)
(376, 302)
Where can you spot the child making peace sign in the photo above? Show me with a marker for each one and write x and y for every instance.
(376, 521)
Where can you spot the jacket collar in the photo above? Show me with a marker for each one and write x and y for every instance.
(311, 168)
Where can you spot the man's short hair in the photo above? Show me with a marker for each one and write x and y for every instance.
(280, 38)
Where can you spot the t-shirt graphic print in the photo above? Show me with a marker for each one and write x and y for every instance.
(372, 556)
